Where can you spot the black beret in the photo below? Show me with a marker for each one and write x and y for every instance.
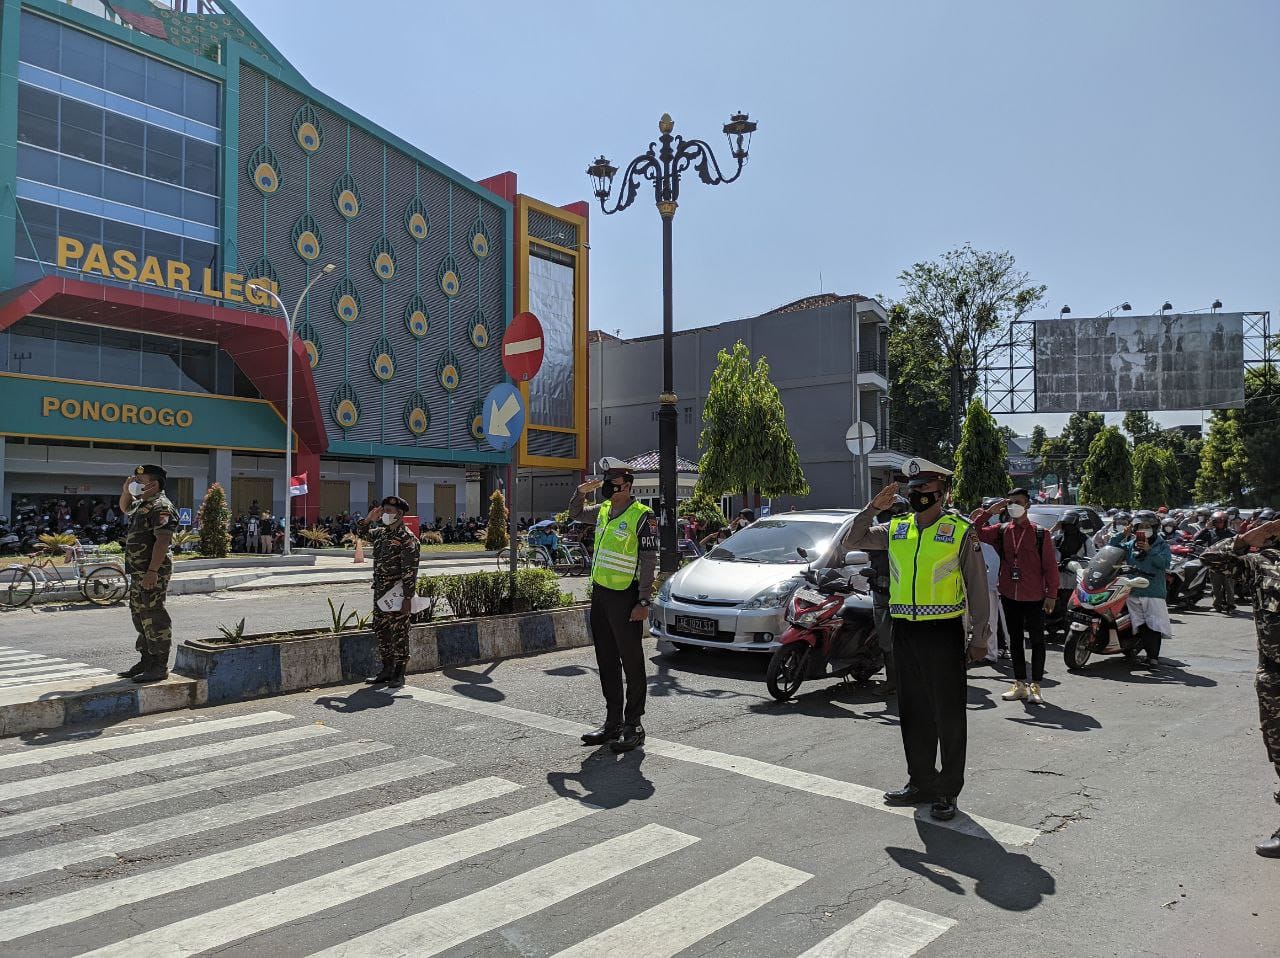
(150, 471)
(397, 502)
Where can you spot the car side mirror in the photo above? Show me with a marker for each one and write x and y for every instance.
(857, 557)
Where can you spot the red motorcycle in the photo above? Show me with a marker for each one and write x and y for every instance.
(832, 632)
(1098, 621)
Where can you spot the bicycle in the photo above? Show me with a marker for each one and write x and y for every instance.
(100, 577)
(528, 556)
(571, 559)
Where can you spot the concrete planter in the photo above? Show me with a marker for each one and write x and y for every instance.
(269, 665)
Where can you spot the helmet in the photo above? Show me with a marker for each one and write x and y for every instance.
(1121, 519)
(1233, 513)
(1266, 515)
(1218, 516)
(1111, 512)
(1145, 517)
(1070, 518)
(1204, 512)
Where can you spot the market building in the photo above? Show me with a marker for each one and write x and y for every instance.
(164, 167)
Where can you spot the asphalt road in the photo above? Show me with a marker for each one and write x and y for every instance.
(1118, 819)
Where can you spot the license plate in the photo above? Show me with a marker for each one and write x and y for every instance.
(808, 595)
(696, 625)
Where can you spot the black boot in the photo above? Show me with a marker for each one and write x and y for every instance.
(605, 733)
(143, 663)
(156, 670)
(397, 676)
(383, 677)
(632, 737)
(944, 809)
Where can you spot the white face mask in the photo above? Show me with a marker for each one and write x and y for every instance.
(388, 518)
(1016, 511)
(135, 488)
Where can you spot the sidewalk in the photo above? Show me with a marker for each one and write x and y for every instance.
(322, 570)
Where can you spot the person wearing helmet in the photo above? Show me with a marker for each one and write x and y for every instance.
(1149, 554)
(1233, 520)
(1119, 523)
(1072, 544)
(879, 583)
(1261, 570)
(1203, 514)
(1224, 589)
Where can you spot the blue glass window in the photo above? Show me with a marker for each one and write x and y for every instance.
(37, 117)
(126, 73)
(83, 57)
(38, 42)
(164, 86)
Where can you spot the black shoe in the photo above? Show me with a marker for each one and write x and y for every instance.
(397, 676)
(383, 677)
(156, 672)
(1271, 847)
(944, 809)
(907, 796)
(142, 665)
(1004, 654)
(888, 688)
(1153, 660)
(632, 737)
(605, 733)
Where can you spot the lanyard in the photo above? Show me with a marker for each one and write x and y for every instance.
(1017, 542)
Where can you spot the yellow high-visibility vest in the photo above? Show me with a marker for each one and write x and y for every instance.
(617, 554)
(925, 581)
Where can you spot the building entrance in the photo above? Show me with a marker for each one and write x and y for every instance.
(245, 490)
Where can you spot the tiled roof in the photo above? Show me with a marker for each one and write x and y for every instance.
(648, 462)
(821, 299)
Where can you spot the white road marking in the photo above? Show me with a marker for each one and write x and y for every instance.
(207, 819)
(889, 930)
(73, 906)
(16, 658)
(144, 794)
(221, 926)
(667, 929)
(119, 738)
(163, 760)
(27, 672)
(522, 346)
(1003, 832)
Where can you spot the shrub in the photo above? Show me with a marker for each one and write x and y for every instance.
(54, 543)
(317, 537)
(429, 587)
(432, 538)
(476, 593)
(234, 633)
(184, 539)
(112, 548)
(537, 590)
(215, 524)
(495, 534)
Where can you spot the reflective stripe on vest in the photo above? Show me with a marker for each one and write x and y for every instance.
(929, 583)
(617, 553)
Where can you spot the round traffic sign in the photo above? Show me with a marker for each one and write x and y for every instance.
(503, 417)
(860, 438)
(522, 347)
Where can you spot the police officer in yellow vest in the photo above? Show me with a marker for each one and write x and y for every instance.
(622, 570)
(935, 572)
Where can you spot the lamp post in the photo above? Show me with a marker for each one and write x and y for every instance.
(662, 164)
(289, 320)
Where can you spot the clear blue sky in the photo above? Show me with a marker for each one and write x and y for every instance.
(1121, 149)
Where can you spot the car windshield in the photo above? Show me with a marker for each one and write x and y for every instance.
(776, 541)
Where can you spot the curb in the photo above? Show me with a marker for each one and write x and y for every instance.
(75, 701)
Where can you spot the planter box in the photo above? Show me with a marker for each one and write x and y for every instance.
(287, 662)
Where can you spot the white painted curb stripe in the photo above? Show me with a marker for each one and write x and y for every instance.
(291, 903)
(127, 736)
(28, 668)
(52, 673)
(145, 794)
(889, 930)
(438, 929)
(55, 678)
(170, 760)
(207, 819)
(52, 912)
(665, 930)
(1003, 832)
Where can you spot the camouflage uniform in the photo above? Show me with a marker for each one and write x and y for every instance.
(1261, 570)
(150, 618)
(396, 552)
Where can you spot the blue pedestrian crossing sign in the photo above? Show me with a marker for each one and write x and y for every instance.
(184, 516)
(503, 420)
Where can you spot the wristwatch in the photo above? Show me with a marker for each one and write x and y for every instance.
(643, 603)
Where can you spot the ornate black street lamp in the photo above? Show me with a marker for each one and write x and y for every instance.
(662, 164)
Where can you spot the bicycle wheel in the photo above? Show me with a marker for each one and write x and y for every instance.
(105, 585)
(17, 587)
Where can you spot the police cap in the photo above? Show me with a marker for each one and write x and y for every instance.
(920, 471)
(148, 470)
(396, 502)
(612, 467)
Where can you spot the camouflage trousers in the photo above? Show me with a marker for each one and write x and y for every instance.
(150, 617)
(392, 630)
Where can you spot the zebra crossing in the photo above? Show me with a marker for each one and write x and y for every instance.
(19, 668)
(220, 833)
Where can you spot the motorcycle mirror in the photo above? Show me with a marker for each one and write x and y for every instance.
(802, 552)
(1075, 567)
(856, 558)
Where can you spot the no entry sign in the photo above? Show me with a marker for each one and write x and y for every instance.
(522, 347)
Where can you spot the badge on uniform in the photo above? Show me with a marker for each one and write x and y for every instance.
(1015, 574)
(946, 532)
(901, 531)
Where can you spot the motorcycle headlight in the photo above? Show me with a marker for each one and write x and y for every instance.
(771, 597)
(664, 593)
(808, 620)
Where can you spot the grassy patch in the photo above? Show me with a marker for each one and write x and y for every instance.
(453, 547)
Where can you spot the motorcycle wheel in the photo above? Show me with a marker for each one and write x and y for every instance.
(787, 670)
(1076, 652)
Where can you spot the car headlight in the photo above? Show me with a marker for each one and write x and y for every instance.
(664, 593)
(771, 597)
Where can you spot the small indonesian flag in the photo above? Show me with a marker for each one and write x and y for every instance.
(298, 485)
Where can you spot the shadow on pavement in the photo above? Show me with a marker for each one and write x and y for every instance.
(1008, 880)
(607, 780)
(1053, 716)
(476, 685)
(836, 701)
(375, 697)
(1168, 672)
(668, 668)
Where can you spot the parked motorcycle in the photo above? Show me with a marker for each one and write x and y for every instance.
(1099, 617)
(832, 631)
(1187, 581)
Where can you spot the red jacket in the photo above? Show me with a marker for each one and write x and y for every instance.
(1037, 573)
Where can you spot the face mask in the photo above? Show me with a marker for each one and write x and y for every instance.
(922, 501)
(388, 518)
(1016, 511)
(135, 489)
(609, 488)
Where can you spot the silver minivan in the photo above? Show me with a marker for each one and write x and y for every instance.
(735, 597)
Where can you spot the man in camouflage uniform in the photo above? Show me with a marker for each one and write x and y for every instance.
(1261, 570)
(396, 552)
(152, 521)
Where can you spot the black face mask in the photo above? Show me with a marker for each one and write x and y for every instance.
(609, 488)
(922, 501)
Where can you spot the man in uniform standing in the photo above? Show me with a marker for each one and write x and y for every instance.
(152, 521)
(622, 572)
(1262, 571)
(396, 554)
(935, 571)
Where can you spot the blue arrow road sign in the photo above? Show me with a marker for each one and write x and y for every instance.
(503, 417)
(184, 517)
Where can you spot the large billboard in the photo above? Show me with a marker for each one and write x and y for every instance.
(1174, 361)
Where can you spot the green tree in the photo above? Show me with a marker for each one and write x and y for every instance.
(1065, 455)
(215, 524)
(981, 460)
(495, 533)
(706, 509)
(1108, 470)
(1152, 477)
(1140, 427)
(1038, 439)
(1259, 428)
(918, 387)
(746, 446)
(1221, 476)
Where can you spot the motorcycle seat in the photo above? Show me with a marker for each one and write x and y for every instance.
(854, 607)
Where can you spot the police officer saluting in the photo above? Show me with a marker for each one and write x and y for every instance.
(935, 571)
(396, 554)
(622, 571)
(152, 520)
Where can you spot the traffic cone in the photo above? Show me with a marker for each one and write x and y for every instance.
(359, 550)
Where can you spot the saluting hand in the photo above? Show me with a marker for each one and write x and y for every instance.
(884, 498)
(591, 485)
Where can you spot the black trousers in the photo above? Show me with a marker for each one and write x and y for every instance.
(619, 644)
(932, 691)
(1025, 618)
